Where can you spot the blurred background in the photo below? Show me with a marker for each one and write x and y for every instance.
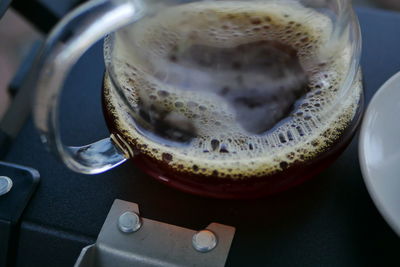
(25, 23)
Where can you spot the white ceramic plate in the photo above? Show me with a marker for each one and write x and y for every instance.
(379, 151)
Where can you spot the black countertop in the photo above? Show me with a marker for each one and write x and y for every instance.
(329, 221)
(4, 4)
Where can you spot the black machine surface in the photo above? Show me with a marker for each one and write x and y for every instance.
(329, 221)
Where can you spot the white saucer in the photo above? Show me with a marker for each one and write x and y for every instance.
(379, 151)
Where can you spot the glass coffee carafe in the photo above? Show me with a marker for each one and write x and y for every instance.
(227, 99)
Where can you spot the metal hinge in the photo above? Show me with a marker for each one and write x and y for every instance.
(126, 239)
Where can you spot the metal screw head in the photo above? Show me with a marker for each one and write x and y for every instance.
(5, 185)
(129, 222)
(204, 241)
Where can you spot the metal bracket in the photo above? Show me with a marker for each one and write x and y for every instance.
(16, 189)
(128, 240)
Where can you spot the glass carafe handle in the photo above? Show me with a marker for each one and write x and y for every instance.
(64, 46)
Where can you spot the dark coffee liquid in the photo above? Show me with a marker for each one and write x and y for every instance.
(228, 101)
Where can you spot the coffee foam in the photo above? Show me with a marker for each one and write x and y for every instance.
(223, 148)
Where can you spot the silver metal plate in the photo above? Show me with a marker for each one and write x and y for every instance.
(154, 244)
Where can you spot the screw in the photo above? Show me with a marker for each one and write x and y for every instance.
(5, 185)
(129, 222)
(204, 241)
